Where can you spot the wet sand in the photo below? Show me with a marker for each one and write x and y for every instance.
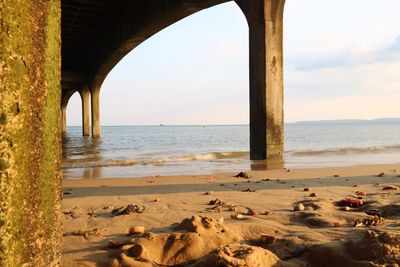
(221, 220)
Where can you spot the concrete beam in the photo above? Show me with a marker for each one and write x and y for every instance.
(265, 19)
(132, 30)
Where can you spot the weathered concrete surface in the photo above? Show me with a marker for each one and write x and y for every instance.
(95, 101)
(29, 133)
(85, 97)
(265, 19)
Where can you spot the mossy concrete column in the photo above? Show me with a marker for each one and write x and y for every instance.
(95, 97)
(30, 178)
(85, 96)
(266, 77)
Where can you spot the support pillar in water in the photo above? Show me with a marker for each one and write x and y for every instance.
(85, 96)
(265, 19)
(95, 97)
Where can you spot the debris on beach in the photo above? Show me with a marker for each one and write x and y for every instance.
(251, 212)
(215, 202)
(375, 212)
(208, 193)
(306, 189)
(299, 207)
(237, 216)
(390, 187)
(114, 244)
(128, 210)
(351, 202)
(368, 222)
(381, 174)
(243, 175)
(336, 175)
(249, 190)
(313, 195)
(84, 233)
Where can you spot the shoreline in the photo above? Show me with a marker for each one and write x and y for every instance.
(169, 200)
(319, 172)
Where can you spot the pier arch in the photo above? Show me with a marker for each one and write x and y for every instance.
(264, 18)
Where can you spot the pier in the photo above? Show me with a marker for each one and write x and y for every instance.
(50, 49)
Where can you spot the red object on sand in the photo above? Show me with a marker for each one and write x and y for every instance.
(361, 193)
(352, 202)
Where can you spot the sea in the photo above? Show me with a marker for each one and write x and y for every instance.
(138, 151)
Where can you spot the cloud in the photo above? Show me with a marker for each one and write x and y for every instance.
(346, 58)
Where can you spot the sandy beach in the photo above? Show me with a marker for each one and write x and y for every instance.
(274, 218)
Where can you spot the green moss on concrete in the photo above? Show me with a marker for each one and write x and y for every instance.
(29, 139)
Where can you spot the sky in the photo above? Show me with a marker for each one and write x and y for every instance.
(341, 58)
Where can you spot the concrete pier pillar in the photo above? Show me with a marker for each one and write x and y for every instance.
(85, 97)
(95, 97)
(265, 19)
(64, 119)
(30, 177)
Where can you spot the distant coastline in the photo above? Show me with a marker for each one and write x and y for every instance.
(350, 121)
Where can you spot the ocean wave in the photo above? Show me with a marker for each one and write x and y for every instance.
(346, 151)
(87, 163)
(221, 156)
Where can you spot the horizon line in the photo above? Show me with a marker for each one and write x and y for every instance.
(233, 124)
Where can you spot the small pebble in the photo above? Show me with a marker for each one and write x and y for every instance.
(313, 195)
(249, 190)
(267, 238)
(307, 189)
(157, 200)
(136, 230)
(114, 244)
(237, 216)
(381, 174)
(337, 224)
(243, 175)
(299, 207)
(209, 193)
(336, 175)
(346, 208)
(251, 212)
(268, 213)
(221, 220)
(391, 187)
